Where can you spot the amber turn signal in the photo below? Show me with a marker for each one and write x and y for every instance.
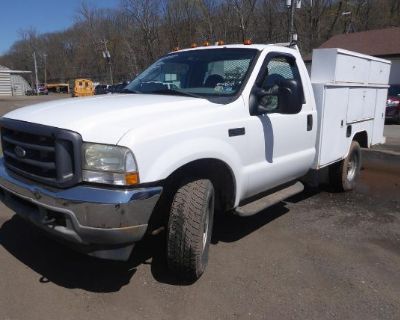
(132, 178)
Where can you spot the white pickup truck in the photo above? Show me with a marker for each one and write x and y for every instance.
(212, 129)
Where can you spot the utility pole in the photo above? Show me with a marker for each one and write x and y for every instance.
(348, 24)
(291, 6)
(45, 68)
(291, 21)
(36, 75)
(107, 57)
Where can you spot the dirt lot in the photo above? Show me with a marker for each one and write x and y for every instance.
(10, 103)
(320, 255)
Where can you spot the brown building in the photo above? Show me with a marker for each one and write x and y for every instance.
(382, 43)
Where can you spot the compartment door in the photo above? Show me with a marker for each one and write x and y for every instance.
(369, 103)
(333, 125)
(351, 69)
(379, 121)
(379, 72)
(357, 98)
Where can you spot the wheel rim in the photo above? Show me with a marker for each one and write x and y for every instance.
(352, 166)
(206, 224)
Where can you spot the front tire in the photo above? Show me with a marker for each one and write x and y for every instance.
(190, 228)
(344, 174)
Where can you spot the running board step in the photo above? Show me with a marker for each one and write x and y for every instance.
(258, 205)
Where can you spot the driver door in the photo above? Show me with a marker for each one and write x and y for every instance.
(282, 145)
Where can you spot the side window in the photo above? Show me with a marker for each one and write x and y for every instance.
(278, 68)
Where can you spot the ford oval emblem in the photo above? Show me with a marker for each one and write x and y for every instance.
(20, 152)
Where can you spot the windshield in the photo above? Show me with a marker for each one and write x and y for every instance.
(394, 91)
(203, 73)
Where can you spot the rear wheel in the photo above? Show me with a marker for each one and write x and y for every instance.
(190, 228)
(344, 174)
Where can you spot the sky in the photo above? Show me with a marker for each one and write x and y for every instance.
(43, 15)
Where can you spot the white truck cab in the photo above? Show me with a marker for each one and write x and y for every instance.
(228, 128)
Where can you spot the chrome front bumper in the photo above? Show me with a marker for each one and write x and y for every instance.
(100, 222)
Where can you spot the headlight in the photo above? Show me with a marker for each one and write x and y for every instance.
(109, 164)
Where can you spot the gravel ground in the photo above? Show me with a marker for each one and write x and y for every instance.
(321, 255)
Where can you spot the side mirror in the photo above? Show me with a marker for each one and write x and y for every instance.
(285, 97)
(290, 97)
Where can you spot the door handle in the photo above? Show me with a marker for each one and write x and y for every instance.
(309, 122)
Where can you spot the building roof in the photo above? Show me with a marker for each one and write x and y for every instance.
(4, 69)
(380, 42)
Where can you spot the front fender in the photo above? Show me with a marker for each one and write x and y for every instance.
(155, 167)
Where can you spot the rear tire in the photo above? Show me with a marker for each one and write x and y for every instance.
(190, 228)
(344, 174)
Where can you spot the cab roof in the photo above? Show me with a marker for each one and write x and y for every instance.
(259, 47)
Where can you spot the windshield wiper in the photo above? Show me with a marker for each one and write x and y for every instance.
(175, 93)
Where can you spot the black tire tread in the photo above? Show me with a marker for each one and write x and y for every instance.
(185, 234)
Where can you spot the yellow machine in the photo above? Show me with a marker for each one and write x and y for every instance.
(82, 88)
(58, 87)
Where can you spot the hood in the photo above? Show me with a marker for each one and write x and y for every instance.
(105, 119)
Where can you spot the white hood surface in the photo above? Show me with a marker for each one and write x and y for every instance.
(105, 119)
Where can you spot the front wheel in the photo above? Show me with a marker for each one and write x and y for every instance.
(190, 228)
(344, 174)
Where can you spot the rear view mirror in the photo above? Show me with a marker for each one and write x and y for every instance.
(290, 97)
(284, 97)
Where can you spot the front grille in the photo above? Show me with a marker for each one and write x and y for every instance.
(46, 154)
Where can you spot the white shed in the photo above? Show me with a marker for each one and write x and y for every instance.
(12, 83)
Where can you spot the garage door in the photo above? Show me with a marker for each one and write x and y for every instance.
(5, 84)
